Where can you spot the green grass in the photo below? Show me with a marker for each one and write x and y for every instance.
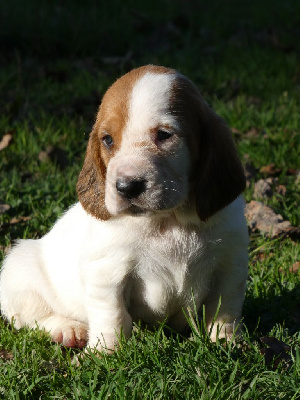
(53, 72)
(150, 365)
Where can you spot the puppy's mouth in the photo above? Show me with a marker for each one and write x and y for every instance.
(136, 210)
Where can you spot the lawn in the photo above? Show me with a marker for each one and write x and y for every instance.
(56, 61)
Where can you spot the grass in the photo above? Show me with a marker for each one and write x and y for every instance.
(57, 59)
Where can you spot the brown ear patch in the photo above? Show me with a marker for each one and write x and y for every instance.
(220, 178)
(91, 181)
(217, 175)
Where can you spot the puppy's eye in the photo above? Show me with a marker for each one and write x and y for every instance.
(107, 141)
(163, 135)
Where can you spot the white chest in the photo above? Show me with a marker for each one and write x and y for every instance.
(170, 269)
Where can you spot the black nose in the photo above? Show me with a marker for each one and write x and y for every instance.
(130, 188)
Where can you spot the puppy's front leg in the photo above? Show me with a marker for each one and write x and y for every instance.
(228, 292)
(105, 303)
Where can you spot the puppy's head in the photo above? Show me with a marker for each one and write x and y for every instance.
(155, 145)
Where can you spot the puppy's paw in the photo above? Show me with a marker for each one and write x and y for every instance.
(107, 344)
(69, 333)
(223, 330)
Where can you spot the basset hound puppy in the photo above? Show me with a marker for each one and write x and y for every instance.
(159, 227)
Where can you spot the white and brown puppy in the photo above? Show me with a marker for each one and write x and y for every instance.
(158, 228)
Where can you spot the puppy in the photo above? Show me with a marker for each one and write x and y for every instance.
(159, 227)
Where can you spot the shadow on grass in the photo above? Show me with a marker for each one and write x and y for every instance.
(262, 313)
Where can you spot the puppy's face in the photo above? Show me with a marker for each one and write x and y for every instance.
(143, 150)
(150, 147)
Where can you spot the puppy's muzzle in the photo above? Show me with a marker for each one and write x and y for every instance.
(130, 188)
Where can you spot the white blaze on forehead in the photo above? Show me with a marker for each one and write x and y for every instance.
(149, 104)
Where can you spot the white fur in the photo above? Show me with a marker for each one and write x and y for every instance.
(94, 272)
(148, 105)
(89, 279)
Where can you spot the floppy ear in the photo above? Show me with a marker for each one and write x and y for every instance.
(91, 180)
(220, 178)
